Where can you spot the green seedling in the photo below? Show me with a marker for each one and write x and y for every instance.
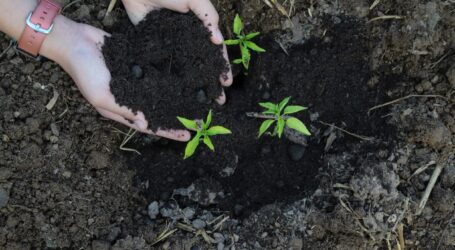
(279, 114)
(244, 42)
(203, 133)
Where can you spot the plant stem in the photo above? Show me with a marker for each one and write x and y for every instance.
(262, 116)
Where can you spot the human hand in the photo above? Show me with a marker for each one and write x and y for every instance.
(84, 62)
(203, 9)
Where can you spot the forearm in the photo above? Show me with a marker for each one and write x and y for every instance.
(12, 22)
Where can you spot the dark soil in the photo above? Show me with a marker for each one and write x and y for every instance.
(329, 76)
(160, 65)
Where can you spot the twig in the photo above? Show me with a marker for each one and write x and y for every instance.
(262, 116)
(434, 177)
(421, 169)
(401, 236)
(432, 65)
(7, 49)
(127, 138)
(385, 18)
(376, 2)
(362, 137)
(111, 6)
(404, 98)
(70, 4)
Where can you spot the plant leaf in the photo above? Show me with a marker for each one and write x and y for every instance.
(209, 120)
(189, 124)
(191, 146)
(218, 130)
(254, 46)
(293, 109)
(209, 143)
(238, 25)
(231, 42)
(252, 35)
(280, 127)
(268, 105)
(283, 103)
(245, 55)
(296, 124)
(265, 126)
(237, 61)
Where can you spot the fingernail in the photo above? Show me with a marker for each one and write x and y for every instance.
(140, 124)
(218, 36)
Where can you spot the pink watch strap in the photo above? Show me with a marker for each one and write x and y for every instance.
(38, 25)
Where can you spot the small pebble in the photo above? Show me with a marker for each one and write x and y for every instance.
(238, 209)
(28, 69)
(137, 72)
(4, 197)
(296, 152)
(198, 224)
(266, 95)
(153, 210)
(266, 149)
(201, 97)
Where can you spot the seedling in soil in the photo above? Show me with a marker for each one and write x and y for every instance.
(244, 42)
(203, 133)
(279, 114)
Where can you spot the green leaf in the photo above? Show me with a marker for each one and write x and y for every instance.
(252, 35)
(293, 109)
(254, 46)
(265, 126)
(231, 42)
(245, 56)
(296, 124)
(283, 103)
(280, 127)
(237, 61)
(238, 25)
(189, 124)
(191, 146)
(268, 105)
(209, 143)
(218, 130)
(269, 112)
(209, 120)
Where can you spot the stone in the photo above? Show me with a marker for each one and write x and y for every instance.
(97, 160)
(189, 213)
(447, 178)
(450, 74)
(100, 245)
(4, 197)
(28, 69)
(201, 97)
(219, 238)
(238, 210)
(137, 72)
(153, 210)
(296, 152)
(266, 95)
(5, 174)
(198, 224)
(296, 244)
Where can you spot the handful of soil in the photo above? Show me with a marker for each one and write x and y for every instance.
(166, 66)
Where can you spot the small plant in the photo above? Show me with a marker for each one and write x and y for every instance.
(203, 133)
(244, 42)
(279, 113)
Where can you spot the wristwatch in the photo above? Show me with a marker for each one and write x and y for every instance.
(39, 24)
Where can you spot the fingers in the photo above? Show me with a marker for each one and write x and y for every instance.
(122, 120)
(177, 135)
(226, 79)
(221, 100)
(205, 11)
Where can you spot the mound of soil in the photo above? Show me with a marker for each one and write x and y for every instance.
(160, 66)
(329, 76)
